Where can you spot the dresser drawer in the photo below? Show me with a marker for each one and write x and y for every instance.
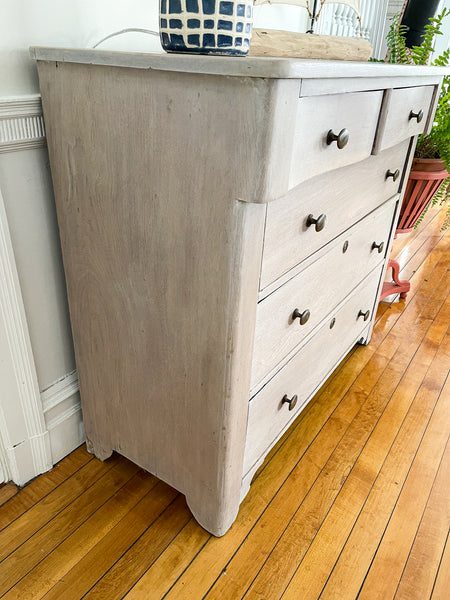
(268, 415)
(320, 116)
(405, 114)
(318, 289)
(343, 196)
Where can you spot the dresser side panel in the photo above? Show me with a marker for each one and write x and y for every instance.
(162, 259)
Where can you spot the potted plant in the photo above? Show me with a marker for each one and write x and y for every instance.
(429, 180)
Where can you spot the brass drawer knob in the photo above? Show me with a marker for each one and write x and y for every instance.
(290, 401)
(394, 174)
(341, 138)
(319, 222)
(379, 246)
(304, 316)
(418, 115)
(365, 315)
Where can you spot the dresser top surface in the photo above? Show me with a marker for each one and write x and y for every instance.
(272, 68)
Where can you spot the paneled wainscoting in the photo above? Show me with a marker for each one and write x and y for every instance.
(352, 503)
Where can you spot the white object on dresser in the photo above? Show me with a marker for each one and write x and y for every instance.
(225, 226)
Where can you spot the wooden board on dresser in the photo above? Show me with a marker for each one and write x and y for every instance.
(174, 177)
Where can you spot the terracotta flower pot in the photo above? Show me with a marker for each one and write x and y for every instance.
(428, 165)
(425, 179)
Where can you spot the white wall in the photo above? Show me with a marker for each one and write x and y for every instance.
(27, 192)
(72, 23)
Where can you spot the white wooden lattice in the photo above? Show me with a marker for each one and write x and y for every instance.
(338, 19)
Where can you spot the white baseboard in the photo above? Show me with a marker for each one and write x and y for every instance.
(23, 457)
(62, 413)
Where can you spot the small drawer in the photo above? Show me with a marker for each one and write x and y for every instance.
(343, 197)
(405, 113)
(268, 414)
(353, 118)
(317, 290)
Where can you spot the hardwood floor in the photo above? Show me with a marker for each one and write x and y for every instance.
(352, 503)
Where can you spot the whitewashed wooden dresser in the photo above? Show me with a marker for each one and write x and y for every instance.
(225, 227)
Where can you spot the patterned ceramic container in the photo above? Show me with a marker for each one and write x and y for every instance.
(206, 26)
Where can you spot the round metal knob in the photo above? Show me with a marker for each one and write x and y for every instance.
(341, 138)
(365, 315)
(304, 316)
(418, 115)
(319, 222)
(394, 174)
(379, 246)
(290, 401)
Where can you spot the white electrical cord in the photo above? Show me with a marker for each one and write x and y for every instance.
(134, 29)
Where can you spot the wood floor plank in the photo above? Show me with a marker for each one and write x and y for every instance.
(7, 491)
(44, 485)
(301, 531)
(431, 273)
(306, 586)
(420, 572)
(386, 569)
(432, 306)
(56, 565)
(442, 583)
(406, 245)
(163, 573)
(126, 572)
(36, 548)
(41, 513)
(420, 261)
(405, 312)
(400, 319)
(381, 309)
(82, 576)
(354, 561)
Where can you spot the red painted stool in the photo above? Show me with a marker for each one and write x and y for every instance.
(421, 187)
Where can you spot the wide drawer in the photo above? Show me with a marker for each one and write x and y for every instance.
(268, 415)
(317, 290)
(405, 114)
(319, 117)
(343, 197)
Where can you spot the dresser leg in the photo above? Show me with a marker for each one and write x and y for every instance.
(216, 515)
(98, 450)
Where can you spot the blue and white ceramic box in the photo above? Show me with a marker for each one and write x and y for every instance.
(206, 26)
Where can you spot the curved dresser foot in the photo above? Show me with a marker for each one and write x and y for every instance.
(215, 521)
(98, 450)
